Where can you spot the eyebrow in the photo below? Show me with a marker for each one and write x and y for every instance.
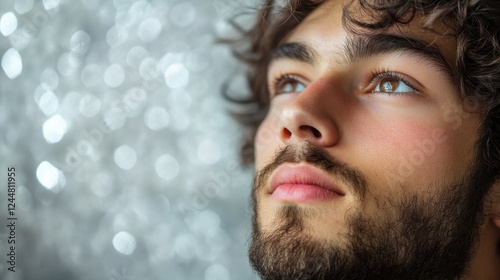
(361, 47)
(296, 51)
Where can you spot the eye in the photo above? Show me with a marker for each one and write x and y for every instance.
(287, 84)
(391, 83)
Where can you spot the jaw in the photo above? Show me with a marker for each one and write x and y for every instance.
(386, 239)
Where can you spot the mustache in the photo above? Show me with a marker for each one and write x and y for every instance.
(318, 157)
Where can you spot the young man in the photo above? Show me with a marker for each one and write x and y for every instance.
(379, 154)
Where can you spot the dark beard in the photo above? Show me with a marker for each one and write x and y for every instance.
(431, 238)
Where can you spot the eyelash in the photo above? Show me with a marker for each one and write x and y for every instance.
(281, 78)
(376, 76)
(379, 74)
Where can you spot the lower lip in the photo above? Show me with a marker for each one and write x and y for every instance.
(302, 193)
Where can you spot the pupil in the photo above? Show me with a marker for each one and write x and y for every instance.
(389, 85)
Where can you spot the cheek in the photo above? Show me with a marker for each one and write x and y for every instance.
(413, 152)
(266, 140)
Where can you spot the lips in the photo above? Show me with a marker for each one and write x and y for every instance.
(302, 183)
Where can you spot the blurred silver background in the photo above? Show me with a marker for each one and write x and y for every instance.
(126, 160)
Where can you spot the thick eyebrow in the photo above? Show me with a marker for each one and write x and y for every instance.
(296, 51)
(361, 47)
(358, 47)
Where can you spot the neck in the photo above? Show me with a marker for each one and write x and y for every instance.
(485, 263)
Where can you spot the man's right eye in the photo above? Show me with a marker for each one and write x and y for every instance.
(287, 84)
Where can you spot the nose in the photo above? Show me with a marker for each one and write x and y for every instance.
(308, 117)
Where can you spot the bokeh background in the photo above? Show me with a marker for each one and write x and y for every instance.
(127, 163)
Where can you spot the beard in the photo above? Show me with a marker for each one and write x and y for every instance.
(415, 238)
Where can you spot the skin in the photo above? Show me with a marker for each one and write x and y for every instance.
(376, 133)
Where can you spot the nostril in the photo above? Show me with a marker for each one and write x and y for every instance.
(285, 133)
(314, 131)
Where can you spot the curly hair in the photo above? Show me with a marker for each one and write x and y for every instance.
(475, 24)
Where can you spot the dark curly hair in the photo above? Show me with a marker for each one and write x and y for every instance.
(474, 23)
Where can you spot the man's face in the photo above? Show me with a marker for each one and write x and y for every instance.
(366, 154)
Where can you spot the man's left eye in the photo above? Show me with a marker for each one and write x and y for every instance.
(392, 85)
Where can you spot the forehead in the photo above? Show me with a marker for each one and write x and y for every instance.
(323, 30)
